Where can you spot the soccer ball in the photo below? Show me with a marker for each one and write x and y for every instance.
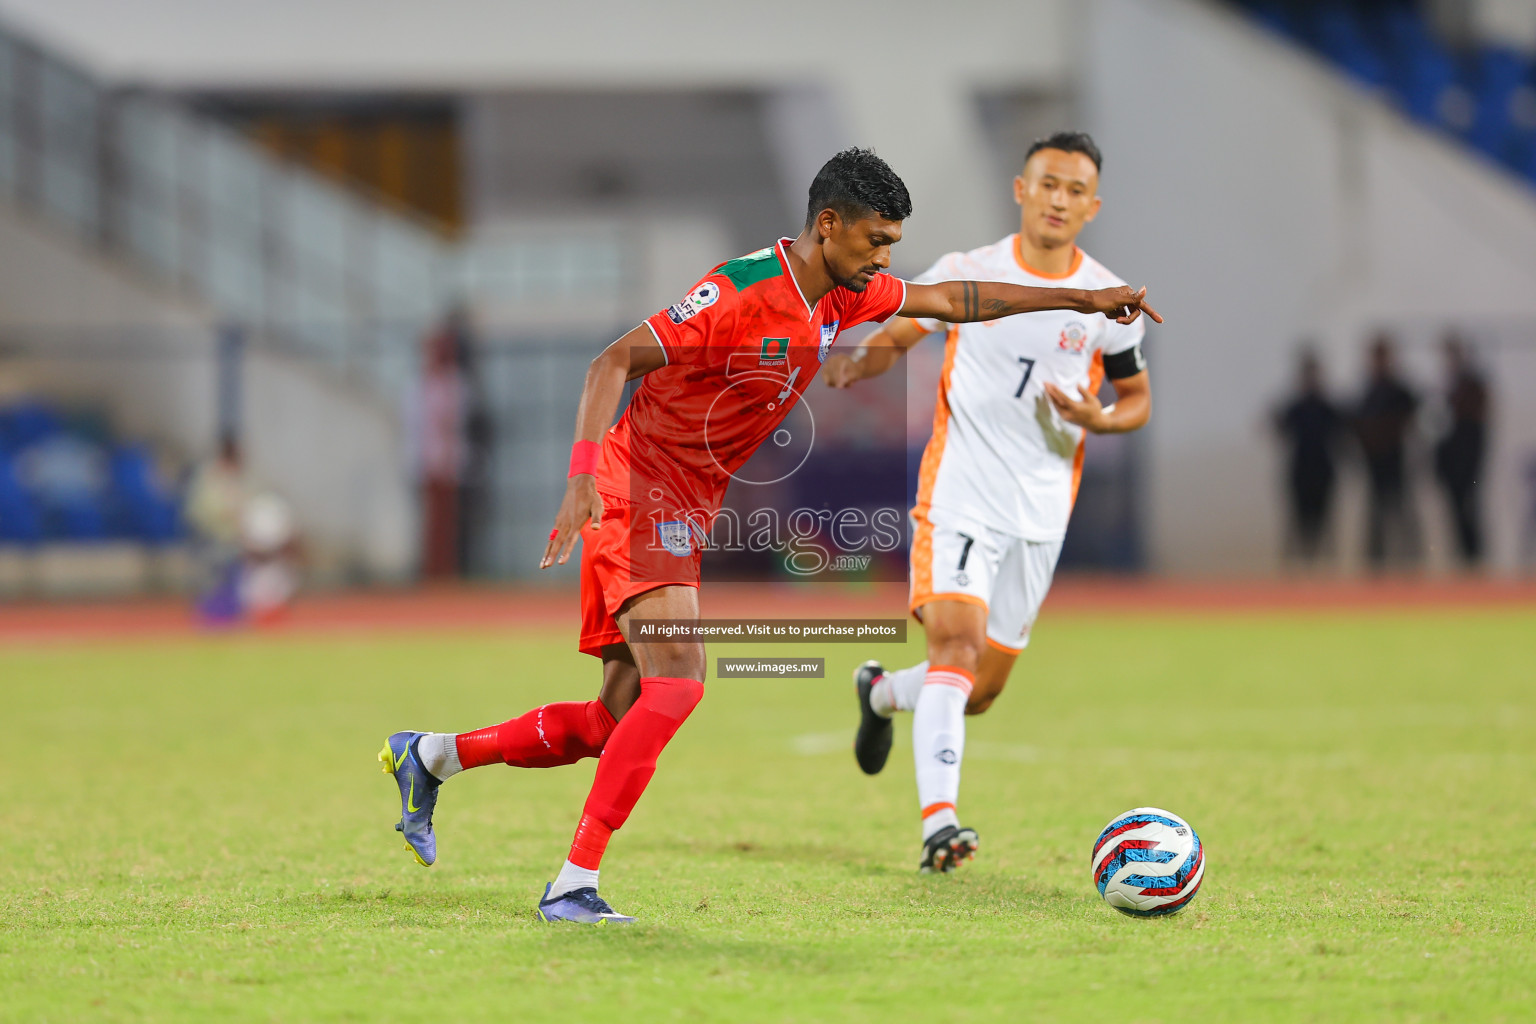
(1148, 862)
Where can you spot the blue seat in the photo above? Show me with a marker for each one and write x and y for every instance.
(66, 501)
(21, 520)
(82, 521)
(1342, 36)
(64, 474)
(1423, 72)
(1275, 15)
(1525, 160)
(149, 510)
(1389, 44)
(27, 422)
(1498, 74)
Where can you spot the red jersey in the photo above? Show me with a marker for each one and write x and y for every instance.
(741, 348)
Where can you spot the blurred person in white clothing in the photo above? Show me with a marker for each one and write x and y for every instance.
(269, 540)
(216, 498)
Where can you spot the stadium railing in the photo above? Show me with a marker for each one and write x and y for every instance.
(302, 262)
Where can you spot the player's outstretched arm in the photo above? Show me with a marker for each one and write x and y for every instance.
(874, 355)
(960, 302)
(634, 355)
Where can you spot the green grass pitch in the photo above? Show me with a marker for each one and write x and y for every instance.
(197, 830)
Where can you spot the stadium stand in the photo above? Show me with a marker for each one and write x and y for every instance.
(1483, 94)
(68, 480)
(577, 217)
(142, 242)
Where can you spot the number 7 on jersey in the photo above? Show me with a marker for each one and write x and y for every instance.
(1029, 368)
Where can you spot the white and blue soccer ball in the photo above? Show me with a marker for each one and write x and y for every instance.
(1148, 862)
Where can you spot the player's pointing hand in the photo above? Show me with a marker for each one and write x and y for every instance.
(580, 504)
(1122, 305)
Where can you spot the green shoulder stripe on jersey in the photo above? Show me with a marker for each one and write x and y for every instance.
(745, 271)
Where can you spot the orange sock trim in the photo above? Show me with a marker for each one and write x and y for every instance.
(933, 809)
(948, 675)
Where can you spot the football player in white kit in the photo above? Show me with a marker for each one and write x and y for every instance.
(999, 475)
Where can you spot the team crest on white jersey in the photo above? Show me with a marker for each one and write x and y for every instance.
(676, 537)
(702, 297)
(828, 336)
(1074, 337)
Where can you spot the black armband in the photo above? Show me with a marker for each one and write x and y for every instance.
(1124, 364)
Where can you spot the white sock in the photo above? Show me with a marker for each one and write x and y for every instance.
(898, 690)
(439, 753)
(939, 819)
(571, 878)
(938, 745)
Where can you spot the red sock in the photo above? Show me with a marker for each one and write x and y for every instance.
(629, 761)
(591, 840)
(547, 736)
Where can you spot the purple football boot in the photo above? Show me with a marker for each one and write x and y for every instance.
(418, 794)
(583, 906)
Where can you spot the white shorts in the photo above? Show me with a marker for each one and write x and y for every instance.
(957, 560)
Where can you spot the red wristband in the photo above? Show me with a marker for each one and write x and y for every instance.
(584, 458)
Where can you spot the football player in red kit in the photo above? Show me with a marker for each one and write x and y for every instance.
(641, 493)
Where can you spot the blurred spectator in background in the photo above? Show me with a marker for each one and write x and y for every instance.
(248, 543)
(1310, 424)
(1459, 454)
(1382, 422)
(216, 501)
(479, 435)
(441, 419)
(269, 550)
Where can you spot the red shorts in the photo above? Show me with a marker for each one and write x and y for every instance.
(629, 554)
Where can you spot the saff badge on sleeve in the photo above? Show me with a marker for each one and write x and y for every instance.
(828, 336)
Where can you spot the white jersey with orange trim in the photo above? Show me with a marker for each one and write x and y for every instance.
(1000, 455)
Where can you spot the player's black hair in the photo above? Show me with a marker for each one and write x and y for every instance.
(1069, 142)
(855, 183)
